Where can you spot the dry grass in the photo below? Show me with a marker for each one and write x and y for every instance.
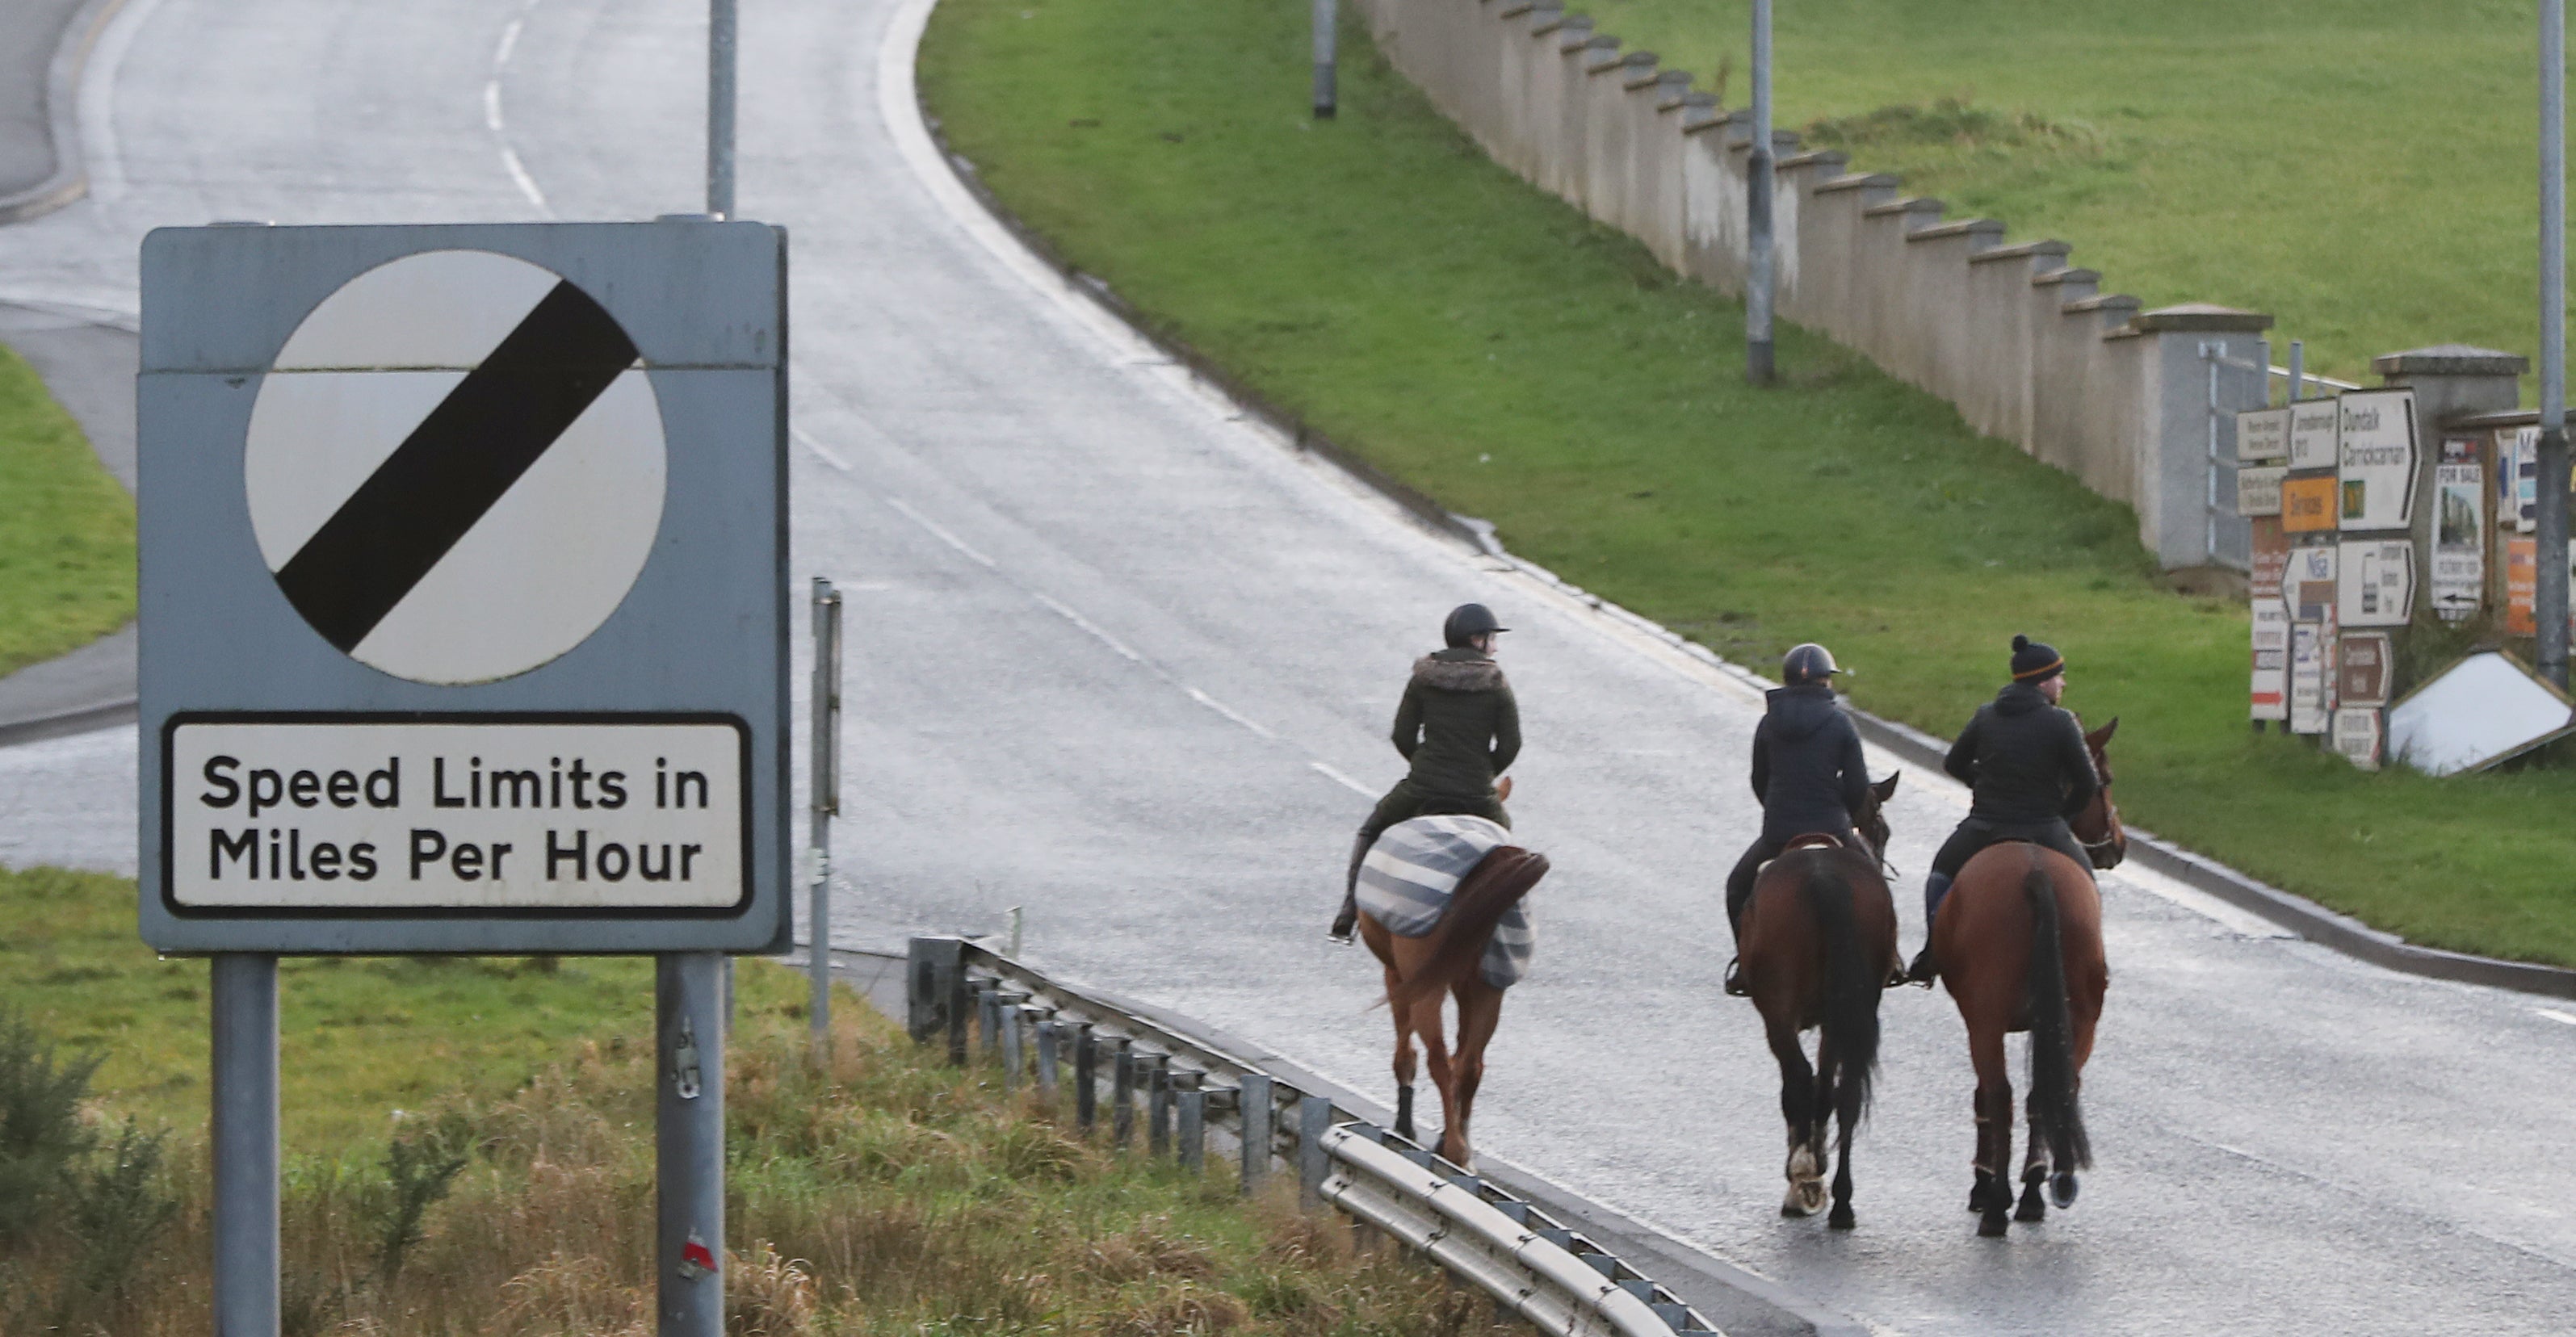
(889, 1196)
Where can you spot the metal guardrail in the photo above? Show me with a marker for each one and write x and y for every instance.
(1069, 1042)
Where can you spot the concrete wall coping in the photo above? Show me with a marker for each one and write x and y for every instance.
(1512, 9)
(1645, 76)
(1911, 204)
(1781, 140)
(1547, 19)
(1684, 96)
(1860, 181)
(2109, 301)
(1964, 227)
(2021, 250)
(2451, 360)
(2057, 276)
(1812, 158)
(2200, 316)
(1697, 118)
(1602, 53)
(1570, 39)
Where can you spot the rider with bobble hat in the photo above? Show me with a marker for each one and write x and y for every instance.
(1807, 772)
(2025, 759)
(1460, 728)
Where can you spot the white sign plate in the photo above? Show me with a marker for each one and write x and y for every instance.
(2269, 689)
(2309, 677)
(2375, 459)
(2357, 735)
(2308, 583)
(2375, 582)
(517, 815)
(2459, 540)
(2312, 434)
(2258, 489)
(2262, 435)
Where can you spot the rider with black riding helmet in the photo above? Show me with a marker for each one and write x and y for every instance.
(1460, 728)
(1807, 773)
(2026, 761)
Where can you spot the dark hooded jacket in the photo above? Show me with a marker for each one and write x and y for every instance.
(1457, 724)
(1807, 766)
(2025, 759)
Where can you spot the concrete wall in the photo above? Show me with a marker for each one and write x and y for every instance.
(2027, 346)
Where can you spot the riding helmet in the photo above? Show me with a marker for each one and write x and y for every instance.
(1467, 622)
(1807, 663)
(2035, 662)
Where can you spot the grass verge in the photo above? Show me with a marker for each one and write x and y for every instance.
(890, 1195)
(2360, 168)
(66, 529)
(1380, 278)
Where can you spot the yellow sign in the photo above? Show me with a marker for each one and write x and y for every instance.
(2307, 504)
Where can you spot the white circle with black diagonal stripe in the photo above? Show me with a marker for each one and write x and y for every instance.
(455, 466)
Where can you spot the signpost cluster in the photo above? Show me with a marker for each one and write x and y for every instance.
(464, 627)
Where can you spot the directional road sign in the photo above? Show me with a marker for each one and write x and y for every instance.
(463, 587)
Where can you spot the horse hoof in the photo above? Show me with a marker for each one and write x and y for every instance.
(2062, 1188)
(1977, 1195)
(1992, 1227)
(2031, 1208)
(1813, 1194)
(1842, 1219)
(1793, 1204)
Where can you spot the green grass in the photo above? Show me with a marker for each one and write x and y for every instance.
(1379, 277)
(890, 1195)
(2364, 170)
(66, 529)
(358, 1037)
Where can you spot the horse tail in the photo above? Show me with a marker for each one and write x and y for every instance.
(1852, 989)
(1484, 896)
(2054, 1112)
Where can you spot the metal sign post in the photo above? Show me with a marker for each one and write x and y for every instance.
(825, 799)
(1325, 14)
(1757, 196)
(463, 590)
(2549, 594)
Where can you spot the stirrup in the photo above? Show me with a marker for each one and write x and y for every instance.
(1735, 979)
(1924, 970)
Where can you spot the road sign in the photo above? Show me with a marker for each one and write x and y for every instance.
(2263, 436)
(2308, 503)
(2308, 583)
(2375, 582)
(2311, 685)
(2358, 735)
(2268, 692)
(2364, 664)
(463, 588)
(2376, 459)
(2459, 574)
(2312, 434)
(2258, 489)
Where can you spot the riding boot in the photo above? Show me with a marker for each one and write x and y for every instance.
(1348, 919)
(1925, 969)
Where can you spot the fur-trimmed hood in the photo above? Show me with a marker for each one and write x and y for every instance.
(1458, 671)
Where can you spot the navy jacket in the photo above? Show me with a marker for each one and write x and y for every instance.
(1807, 766)
(2025, 758)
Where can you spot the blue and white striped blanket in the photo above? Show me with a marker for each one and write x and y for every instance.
(1406, 881)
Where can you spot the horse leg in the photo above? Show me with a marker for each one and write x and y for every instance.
(1833, 1106)
(2034, 1170)
(1480, 1009)
(1435, 1047)
(2062, 1188)
(1992, 1198)
(1797, 1109)
(1404, 1060)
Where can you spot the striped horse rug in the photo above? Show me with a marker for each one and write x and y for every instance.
(1406, 881)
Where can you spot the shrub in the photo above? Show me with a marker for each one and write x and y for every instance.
(41, 1135)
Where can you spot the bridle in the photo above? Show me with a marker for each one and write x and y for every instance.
(2106, 853)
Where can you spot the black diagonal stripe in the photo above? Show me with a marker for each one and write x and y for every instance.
(455, 465)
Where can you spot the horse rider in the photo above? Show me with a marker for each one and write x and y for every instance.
(1807, 773)
(1460, 728)
(2025, 759)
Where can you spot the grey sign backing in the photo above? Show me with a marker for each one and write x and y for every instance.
(243, 655)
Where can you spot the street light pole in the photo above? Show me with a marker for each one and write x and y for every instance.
(1757, 197)
(2549, 593)
(720, 66)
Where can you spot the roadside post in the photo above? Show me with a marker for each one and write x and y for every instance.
(463, 596)
(825, 800)
(1758, 366)
(1325, 15)
(2549, 592)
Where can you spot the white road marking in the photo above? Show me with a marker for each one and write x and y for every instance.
(492, 106)
(806, 439)
(492, 118)
(1223, 709)
(98, 101)
(1347, 782)
(509, 41)
(2555, 1015)
(941, 534)
(1086, 624)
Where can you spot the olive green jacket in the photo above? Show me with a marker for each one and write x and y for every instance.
(1457, 724)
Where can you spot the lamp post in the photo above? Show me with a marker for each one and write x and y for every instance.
(2549, 593)
(1757, 197)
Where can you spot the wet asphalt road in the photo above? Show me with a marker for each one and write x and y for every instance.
(1122, 661)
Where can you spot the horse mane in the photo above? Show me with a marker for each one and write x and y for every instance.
(1457, 942)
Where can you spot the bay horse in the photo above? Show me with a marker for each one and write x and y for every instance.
(1449, 962)
(1817, 949)
(2019, 939)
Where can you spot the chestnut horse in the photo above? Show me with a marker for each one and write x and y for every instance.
(2019, 939)
(1818, 947)
(1449, 961)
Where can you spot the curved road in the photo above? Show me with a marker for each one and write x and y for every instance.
(1118, 658)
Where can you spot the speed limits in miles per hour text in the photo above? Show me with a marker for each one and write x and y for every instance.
(555, 814)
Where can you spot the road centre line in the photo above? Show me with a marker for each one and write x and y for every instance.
(492, 118)
(1343, 780)
(941, 534)
(1223, 709)
(806, 439)
(2555, 1015)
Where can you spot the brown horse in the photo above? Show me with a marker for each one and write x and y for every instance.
(2019, 939)
(1818, 946)
(1449, 960)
